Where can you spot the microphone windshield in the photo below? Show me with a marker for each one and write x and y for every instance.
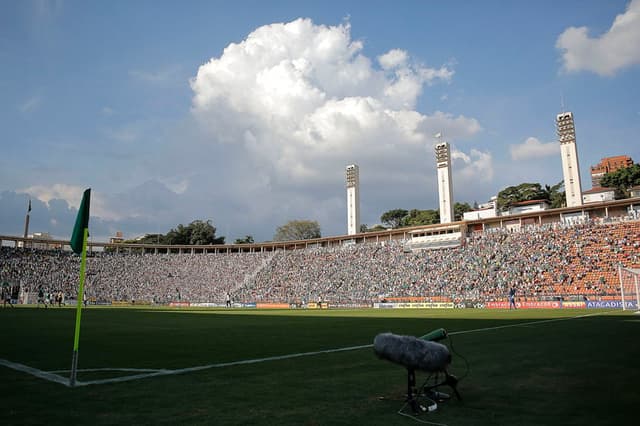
(411, 352)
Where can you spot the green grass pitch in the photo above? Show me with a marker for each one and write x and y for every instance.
(581, 368)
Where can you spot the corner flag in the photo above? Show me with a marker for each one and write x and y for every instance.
(82, 222)
(78, 244)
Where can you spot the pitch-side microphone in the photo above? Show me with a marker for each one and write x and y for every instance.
(435, 335)
(412, 352)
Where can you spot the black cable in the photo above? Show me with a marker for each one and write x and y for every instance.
(453, 349)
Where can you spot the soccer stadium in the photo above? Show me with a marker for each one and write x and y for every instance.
(541, 305)
(284, 334)
(519, 308)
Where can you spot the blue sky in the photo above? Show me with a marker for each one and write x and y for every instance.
(246, 113)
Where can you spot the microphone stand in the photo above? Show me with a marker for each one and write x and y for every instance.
(411, 392)
(449, 380)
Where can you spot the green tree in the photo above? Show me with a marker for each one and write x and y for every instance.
(394, 218)
(374, 228)
(248, 239)
(556, 195)
(523, 192)
(198, 232)
(459, 209)
(178, 235)
(622, 180)
(203, 233)
(421, 217)
(297, 230)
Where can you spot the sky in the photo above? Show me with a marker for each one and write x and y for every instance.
(246, 113)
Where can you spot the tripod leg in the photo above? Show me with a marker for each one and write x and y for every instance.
(411, 393)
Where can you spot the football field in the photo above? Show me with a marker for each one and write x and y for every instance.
(147, 365)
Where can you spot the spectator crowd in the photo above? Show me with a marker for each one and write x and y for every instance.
(540, 261)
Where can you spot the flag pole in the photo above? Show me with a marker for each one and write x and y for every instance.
(76, 339)
(78, 244)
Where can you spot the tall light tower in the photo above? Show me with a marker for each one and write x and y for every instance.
(445, 189)
(353, 199)
(26, 221)
(570, 168)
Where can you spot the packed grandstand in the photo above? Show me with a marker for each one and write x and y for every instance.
(572, 261)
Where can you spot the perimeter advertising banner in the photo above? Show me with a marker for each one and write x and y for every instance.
(223, 305)
(424, 305)
(615, 304)
(556, 304)
(272, 305)
(314, 305)
(574, 305)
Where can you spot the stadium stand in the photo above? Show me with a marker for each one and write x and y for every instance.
(548, 261)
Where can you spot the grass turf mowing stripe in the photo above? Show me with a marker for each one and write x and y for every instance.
(147, 373)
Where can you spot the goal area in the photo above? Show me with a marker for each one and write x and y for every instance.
(629, 287)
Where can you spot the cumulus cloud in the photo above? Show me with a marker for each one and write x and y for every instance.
(72, 195)
(477, 166)
(393, 58)
(532, 148)
(301, 97)
(618, 48)
(280, 114)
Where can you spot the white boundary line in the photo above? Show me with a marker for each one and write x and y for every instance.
(35, 372)
(91, 370)
(146, 373)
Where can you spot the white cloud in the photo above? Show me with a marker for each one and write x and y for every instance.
(618, 48)
(532, 148)
(72, 195)
(477, 166)
(393, 59)
(175, 184)
(302, 98)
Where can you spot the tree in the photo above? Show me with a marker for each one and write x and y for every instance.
(523, 192)
(622, 179)
(393, 218)
(556, 195)
(197, 232)
(248, 239)
(421, 217)
(459, 209)
(374, 228)
(297, 230)
(203, 233)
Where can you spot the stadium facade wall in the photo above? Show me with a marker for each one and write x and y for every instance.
(603, 211)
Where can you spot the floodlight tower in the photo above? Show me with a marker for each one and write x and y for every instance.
(570, 168)
(353, 199)
(445, 189)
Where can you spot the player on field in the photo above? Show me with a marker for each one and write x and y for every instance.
(512, 298)
(6, 295)
(41, 298)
